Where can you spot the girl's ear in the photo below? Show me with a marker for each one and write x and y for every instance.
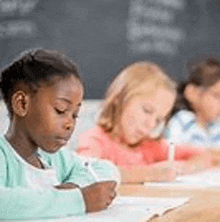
(191, 93)
(20, 103)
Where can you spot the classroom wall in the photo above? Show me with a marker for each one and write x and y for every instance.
(104, 35)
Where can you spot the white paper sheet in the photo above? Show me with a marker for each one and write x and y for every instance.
(126, 208)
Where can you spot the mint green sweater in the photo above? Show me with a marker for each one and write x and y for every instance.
(19, 202)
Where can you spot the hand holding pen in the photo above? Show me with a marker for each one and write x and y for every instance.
(165, 170)
(99, 195)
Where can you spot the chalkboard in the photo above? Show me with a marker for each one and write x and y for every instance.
(104, 35)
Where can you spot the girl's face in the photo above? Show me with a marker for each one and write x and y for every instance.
(208, 104)
(52, 113)
(142, 114)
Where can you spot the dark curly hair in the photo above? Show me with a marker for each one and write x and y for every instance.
(32, 68)
(203, 71)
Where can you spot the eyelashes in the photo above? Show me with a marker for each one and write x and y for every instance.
(148, 111)
(62, 112)
(159, 120)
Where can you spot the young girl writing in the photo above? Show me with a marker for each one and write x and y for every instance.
(197, 120)
(43, 93)
(135, 109)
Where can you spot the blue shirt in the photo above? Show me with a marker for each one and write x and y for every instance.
(183, 128)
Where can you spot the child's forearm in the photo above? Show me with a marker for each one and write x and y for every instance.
(215, 156)
(132, 175)
(20, 203)
(154, 172)
(198, 163)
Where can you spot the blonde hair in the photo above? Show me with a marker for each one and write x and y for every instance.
(138, 78)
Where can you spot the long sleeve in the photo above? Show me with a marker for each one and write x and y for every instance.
(79, 174)
(185, 152)
(182, 152)
(22, 203)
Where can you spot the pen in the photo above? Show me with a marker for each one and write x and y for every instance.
(171, 154)
(92, 172)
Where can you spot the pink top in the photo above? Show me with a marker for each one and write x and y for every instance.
(95, 142)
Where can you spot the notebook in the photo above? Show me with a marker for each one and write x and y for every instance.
(126, 208)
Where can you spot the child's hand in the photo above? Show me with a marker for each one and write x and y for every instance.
(166, 174)
(201, 162)
(163, 174)
(99, 196)
(163, 171)
(66, 186)
(215, 156)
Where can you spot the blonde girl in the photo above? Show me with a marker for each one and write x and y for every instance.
(129, 129)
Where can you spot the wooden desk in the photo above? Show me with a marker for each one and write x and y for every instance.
(204, 204)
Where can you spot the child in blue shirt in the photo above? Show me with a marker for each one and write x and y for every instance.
(196, 121)
(43, 93)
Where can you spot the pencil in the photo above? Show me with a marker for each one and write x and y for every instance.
(171, 154)
(92, 172)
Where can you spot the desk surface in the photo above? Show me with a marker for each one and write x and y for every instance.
(204, 204)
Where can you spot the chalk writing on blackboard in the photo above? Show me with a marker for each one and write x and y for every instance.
(23, 7)
(151, 26)
(18, 28)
